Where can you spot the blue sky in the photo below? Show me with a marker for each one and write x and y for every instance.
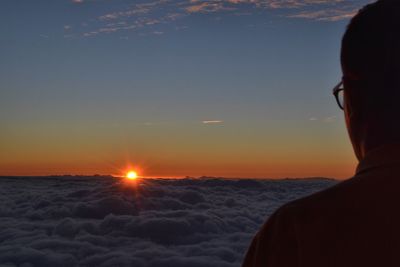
(110, 74)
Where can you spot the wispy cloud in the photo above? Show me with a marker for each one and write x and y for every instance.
(209, 6)
(330, 119)
(325, 120)
(139, 9)
(138, 16)
(296, 3)
(218, 5)
(326, 15)
(212, 122)
(151, 16)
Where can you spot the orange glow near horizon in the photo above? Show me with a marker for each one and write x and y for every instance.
(177, 153)
(269, 169)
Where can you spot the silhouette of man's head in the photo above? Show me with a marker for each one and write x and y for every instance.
(370, 60)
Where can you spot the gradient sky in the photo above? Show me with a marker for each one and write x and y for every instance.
(233, 88)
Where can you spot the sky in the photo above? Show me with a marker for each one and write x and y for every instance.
(173, 88)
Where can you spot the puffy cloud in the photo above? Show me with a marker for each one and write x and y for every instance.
(105, 221)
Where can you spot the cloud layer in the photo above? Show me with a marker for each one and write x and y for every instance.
(104, 221)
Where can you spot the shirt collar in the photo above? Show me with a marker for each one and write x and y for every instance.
(384, 156)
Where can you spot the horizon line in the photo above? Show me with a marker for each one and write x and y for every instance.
(174, 177)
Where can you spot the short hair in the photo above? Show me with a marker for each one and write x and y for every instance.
(371, 45)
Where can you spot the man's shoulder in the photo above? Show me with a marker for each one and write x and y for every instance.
(311, 222)
(335, 198)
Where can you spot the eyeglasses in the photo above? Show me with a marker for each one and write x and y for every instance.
(338, 92)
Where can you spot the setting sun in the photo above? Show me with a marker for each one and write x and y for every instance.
(131, 175)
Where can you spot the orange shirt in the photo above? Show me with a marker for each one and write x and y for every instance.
(354, 223)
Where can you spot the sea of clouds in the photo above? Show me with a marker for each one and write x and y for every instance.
(106, 221)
